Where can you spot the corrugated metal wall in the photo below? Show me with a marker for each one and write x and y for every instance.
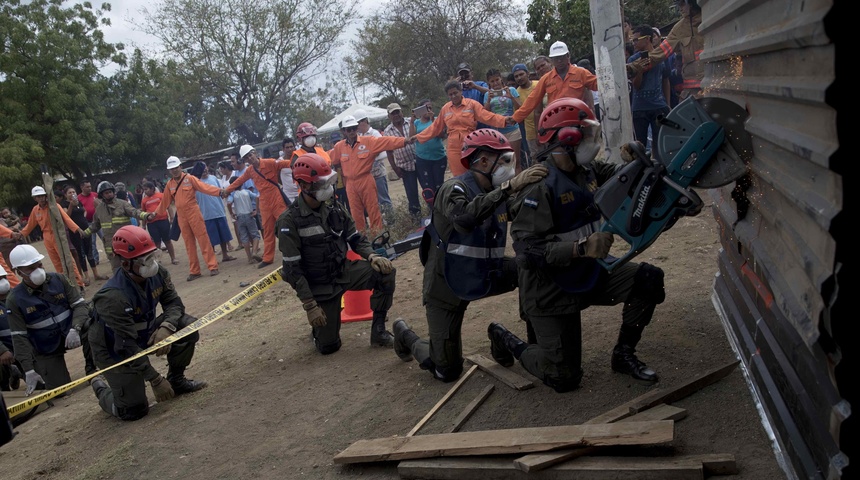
(778, 259)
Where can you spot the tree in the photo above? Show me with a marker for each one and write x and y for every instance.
(249, 55)
(51, 88)
(409, 52)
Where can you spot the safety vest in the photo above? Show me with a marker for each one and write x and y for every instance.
(574, 216)
(323, 253)
(5, 331)
(473, 260)
(142, 309)
(46, 313)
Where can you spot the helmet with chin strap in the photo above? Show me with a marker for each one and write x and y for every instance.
(483, 139)
(131, 242)
(305, 130)
(561, 121)
(311, 168)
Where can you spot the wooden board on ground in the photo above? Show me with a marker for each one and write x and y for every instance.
(500, 442)
(679, 467)
(470, 408)
(503, 374)
(442, 401)
(538, 461)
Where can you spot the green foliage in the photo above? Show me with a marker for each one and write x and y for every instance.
(408, 52)
(248, 56)
(50, 88)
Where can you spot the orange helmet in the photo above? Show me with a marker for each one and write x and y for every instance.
(311, 168)
(131, 242)
(305, 130)
(561, 113)
(483, 139)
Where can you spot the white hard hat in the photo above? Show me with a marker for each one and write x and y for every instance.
(359, 115)
(348, 121)
(37, 190)
(558, 49)
(244, 150)
(2, 271)
(24, 255)
(173, 162)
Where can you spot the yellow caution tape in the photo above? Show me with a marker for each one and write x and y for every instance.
(219, 312)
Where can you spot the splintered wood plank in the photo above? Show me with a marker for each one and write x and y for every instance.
(500, 442)
(442, 401)
(503, 374)
(471, 407)
(538, 461)
(679, 467)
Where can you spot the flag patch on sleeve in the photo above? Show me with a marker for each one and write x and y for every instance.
(530, 202)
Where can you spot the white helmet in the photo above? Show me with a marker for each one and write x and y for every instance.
(24, 255)
(173, 162)
(2, 271)
(244, 150)
(359, 115)
(348, 121)
(38, 190)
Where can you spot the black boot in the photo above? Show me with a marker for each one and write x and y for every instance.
(378, 335)
(503, 344)
(182, 385)
(404, 338)
(99, 384)
(624, 361)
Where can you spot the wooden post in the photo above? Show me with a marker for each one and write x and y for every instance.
(59, 229)
(610, 61)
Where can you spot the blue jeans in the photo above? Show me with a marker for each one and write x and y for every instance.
(431, 173)
(644, 119)
(382, 192)
(410, 184)
(96, 245)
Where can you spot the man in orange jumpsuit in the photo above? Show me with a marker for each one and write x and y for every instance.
(182, 188)
(461, 116)
(355, 156)
(6, 232)
(565, 80)
(265, 173)
(40, 216)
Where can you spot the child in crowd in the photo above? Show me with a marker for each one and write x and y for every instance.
(242, 204)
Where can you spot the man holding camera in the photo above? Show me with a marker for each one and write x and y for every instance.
(474, 89)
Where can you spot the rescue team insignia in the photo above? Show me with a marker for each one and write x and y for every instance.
(530, 202)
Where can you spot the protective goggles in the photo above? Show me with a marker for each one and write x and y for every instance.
(325, 182)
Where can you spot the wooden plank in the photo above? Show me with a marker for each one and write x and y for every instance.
(641, 403)
(501, 373)
(500, 442)
(538, 461)
(471, 407)
(679, 467)
(442, 401)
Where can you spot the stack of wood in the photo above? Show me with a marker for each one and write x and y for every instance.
(570, 451)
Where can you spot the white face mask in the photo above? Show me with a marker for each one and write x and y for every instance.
(148, 267)
(324, 194)
(310, 141)
(4, 286)
(505, 171)
(38, 276)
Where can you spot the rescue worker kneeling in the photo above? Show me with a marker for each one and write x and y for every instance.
(463, 252)
(125, 324)
(313, 236)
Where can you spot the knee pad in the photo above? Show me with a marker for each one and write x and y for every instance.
(648, 284)
(328, 349)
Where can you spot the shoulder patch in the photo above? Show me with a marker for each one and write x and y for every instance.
(530, 202)
(458, 188)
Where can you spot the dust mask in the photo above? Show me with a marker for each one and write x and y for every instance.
(147, 267)
(504, 172)
(38, 276)
(325, 193)
(310, 141)
(4, 286)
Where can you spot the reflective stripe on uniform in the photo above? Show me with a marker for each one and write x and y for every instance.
(79, 301)
(19, 332)
(580, 232)
(311, 231)
(6, 333)
(51, 321)
(476, 252)
(293, 259)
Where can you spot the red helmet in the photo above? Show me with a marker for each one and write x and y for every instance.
(131, 242)
(564, 112)
(483, 139)
(311, 168)
(305, 130)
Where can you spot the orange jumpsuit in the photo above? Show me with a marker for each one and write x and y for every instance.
(578, 83)
(10, 275)
(190, 219)
(356, 162)
(271, 202)
(461, 121)
(42, 217)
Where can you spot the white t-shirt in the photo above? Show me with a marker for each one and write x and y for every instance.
(288, 185)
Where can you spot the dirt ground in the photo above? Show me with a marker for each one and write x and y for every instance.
(275, 408)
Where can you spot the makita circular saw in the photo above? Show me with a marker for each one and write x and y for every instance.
(702, 144)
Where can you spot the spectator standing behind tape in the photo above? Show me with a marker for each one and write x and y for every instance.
(159, 226)
(379, 172)
(126, 324)
(214, 211)
(430, 162)
(402, 160)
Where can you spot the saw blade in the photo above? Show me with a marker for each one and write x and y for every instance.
(730, 161)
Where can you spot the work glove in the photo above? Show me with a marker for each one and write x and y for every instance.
(380, 263)
(158, 335)
(32, 379)
(596, 245)
(531, 175)
(316, 315)
(73, 339)
(6, 358)
(162, 389)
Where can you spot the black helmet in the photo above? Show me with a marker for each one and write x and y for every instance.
(104, 186)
